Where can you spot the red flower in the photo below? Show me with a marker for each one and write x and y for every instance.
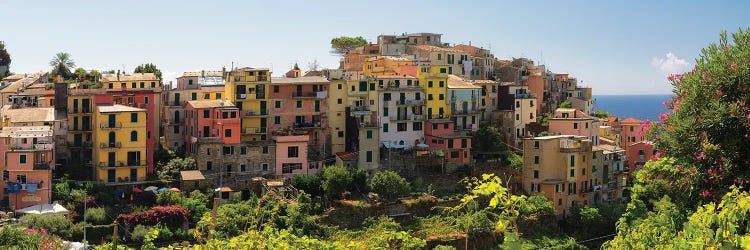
(701, 156)
(734, 65)
(719, 92)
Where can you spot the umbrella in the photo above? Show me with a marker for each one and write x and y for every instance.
(161, 190)
(174, 190)
(150, 188)
(137, 190)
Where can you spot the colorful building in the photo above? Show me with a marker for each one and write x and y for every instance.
(28, 158)
(434, 80)
(191, 86)
(120, 144)
(517, 108)
(391, 65)
(441, 138)
(464, 98)
(299, 105)
(247, 88)
(638, 154)
(456, 62)
(291, 156)
(131, 81)
(568, 121)
(557, 167)
(483, 61)
(607, 173)
(401, 111)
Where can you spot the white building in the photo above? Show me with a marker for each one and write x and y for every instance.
(401, 110)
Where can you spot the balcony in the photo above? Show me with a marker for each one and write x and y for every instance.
(403, 88)
(304, 94)
(213, 139)
(85, 110)
(250, 78)
(80, 129)
(254, 131)
(524, 96)
(308, 125)
(176, 103)
(175, 122)
(42, 165)
(107, 125)
(407, 118)
(111, 145)
(79, 144)
(241, 96)
(410, 102)
(111, 164)
(252, 113)
(462, 112)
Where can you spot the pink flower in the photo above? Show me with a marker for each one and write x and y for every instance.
(705, 193)
(677, 76)
(657, 155)
(701, 156)
(734, 65)
(666, 103)
(677, 105)
(748, 116)
(719, 92)
(663, 116)
(670, 78)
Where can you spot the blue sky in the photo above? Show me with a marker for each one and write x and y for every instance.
(616, 47)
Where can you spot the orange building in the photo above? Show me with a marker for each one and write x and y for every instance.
(217, 119)
(440, 135)
(28, 158)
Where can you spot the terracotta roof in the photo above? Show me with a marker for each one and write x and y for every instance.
(431, 48)
(301, 79)
(455, 82)
(129, 77)
(612, 119)
(191, 175)
(631, 120)
(251, 69)
(21, 83)
(211, 104)
(29, 114)
(202, 73)
(117, 108)
(483, 81)
(395, 77)
(346, 156)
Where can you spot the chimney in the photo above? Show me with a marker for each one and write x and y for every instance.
(118, 74)
(61, 96)
(203, 73)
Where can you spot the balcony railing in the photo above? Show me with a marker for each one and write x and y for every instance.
(254, 131)
(107, 125)
(42, 165)
(111, 164)
(81, 128)
(316, 124)
(253, 113)
(410, 102)
(79, 144)
(407, 118)
(466, 112)
(110, 145)
(304, 94)
(84, 110)
(176, 103)
(175, 122)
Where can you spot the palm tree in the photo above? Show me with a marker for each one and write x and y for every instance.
(61, 64)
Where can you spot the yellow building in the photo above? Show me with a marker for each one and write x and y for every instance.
(247, 88)
(389, 65)
(80, 124)
(119, 144)
(130, 81)
(434, 80)
(337, 114)
(557, 167)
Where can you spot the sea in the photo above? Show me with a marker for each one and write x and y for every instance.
(641, 107)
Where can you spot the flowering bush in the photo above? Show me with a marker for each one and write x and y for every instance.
(707, 131)
(172, 216)
(19, 238)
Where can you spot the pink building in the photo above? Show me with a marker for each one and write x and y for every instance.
(28, 157)
(299, 106)
(640, 153)
(291, 155)
(567, 121)
(211, 120)
(536, 87)
(440, 136)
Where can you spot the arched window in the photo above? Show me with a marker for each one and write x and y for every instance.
(176, 116)
(133, 135)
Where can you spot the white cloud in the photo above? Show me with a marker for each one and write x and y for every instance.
(670, 65)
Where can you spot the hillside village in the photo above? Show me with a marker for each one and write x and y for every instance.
(411, 103)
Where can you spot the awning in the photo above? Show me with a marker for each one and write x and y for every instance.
(44, 209)
(390, 145)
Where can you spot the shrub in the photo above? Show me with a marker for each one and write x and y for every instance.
(96, 216)
(54, 224)
(172, 216)
(336, 180)
(359, 180)
(389, 184)
(198, 195)
(311, 184)
(168, 198)
(196, 207)
(139, 232)
(12, 237)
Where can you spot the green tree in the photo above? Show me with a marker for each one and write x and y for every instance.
(565, 104)
(336, 180)
(4, 58)
(61, 64)
(359, 180)
(515, 161)
(171, 170)
(97, 216)
(601, 114)
(389, 184)
(80, 74)
(169, 198)
(54, 224)
(487, 139)
(148, 68)
(311, 184)
(344, 44)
